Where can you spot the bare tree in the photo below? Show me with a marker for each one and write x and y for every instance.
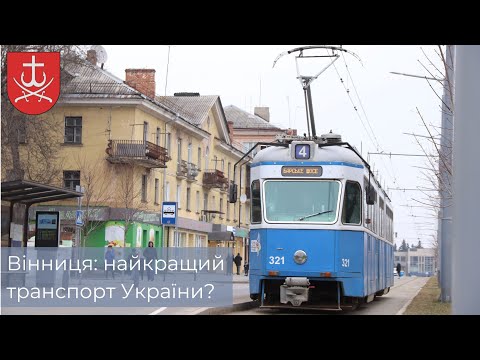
(438, 168)
(129, 195)
(96, 179)
(31, 144)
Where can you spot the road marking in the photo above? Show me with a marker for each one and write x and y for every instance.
(158, 311)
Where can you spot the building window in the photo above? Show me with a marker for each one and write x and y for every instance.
(188, 199)
(228, 210)
(156, 190)
(179, 151)
(352, 207)
(197, 202)
(221, 207)
(229, 170)
(200, 241)
(256, 203)
(157, 136)
(167, 143)
(71, 179)
(213, 202)
(145, 131)
(223, 166)
(205, 201)
(180, 239)
(144, 188)
(179, 196)
(166, 195)
(199, 155)
(429, 261)
(189, 155)
(215, 160)
(73, 129)
(206, 158)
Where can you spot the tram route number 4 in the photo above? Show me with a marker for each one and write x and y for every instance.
(302, 151)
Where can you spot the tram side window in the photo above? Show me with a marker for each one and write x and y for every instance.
(256, 203)
(352, 208)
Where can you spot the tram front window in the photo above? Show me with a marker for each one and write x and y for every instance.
(301, 201)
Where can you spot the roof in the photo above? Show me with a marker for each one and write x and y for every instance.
(29, 192)
(193, 108)
(89, 81)
(244, 120)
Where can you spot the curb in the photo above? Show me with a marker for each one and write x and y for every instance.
(229, 309)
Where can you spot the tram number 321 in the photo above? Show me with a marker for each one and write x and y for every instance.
(276, 260)
(345, 262)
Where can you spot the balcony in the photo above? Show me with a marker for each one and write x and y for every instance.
(142, 153)
(192, 172)
(215, 179)
(182, 169)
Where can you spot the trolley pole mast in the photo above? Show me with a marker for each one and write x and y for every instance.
(306, 81)
(466, 247)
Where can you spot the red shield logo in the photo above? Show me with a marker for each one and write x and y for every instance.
(33, 80)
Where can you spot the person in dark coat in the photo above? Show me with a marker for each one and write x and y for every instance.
(238, 261)
(399, 268)
(134, 271)
(110, 261)
(150, 255)
(246, 267)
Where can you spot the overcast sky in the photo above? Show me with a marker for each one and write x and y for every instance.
(243, 76)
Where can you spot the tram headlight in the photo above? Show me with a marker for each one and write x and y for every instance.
(300, 257)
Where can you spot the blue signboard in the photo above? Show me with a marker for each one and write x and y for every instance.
(302, 151)
(169, 213)
(79, 218)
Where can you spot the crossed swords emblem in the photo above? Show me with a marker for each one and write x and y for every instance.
(40, 93)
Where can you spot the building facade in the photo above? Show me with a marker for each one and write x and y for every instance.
(418, 262)
(130, 150)
(249, 129)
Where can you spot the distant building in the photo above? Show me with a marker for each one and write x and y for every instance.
(249, 129)
(419, 262)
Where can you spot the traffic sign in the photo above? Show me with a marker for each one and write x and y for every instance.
(169, 213)
(79, 218)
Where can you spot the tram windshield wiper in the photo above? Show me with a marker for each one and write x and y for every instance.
(316, 214)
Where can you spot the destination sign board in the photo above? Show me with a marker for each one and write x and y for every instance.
(308, 171)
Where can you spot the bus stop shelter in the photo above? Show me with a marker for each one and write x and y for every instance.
(26, 193)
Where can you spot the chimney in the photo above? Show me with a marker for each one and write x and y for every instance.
(142, 80)
(263, 112)
(230, 130)
(92, 57)
(292, 132)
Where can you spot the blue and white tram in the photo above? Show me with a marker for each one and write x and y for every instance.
(321, 233)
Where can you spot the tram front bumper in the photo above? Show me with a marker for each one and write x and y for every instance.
(294, 290)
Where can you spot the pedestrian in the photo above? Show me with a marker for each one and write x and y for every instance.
(134, 270)
(150, 255)
(238, 261)
(399, 268)
(110, 261)
(246, 267)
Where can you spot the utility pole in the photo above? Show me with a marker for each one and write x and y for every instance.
(445, 172)
(466, 247)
